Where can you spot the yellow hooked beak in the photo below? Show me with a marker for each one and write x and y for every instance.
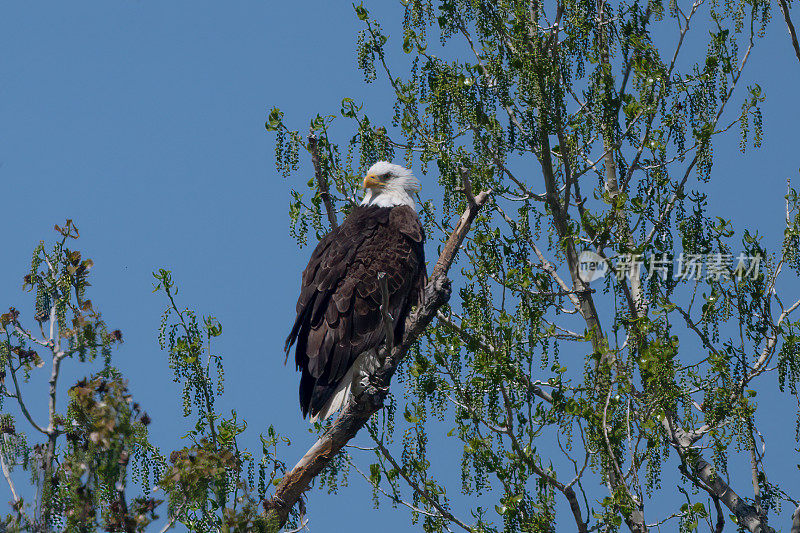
(371, 182)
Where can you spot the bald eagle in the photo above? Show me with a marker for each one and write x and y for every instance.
(339, 326)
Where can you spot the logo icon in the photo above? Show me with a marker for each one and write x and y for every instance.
(591, 266)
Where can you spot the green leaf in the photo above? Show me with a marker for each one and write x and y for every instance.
(375, 473)
(361, 11)
(274, 119)
(411, 419)
(408, 45)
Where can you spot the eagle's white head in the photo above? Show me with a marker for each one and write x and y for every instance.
(388, 185)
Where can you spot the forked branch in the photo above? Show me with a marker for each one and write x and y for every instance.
(703, 474)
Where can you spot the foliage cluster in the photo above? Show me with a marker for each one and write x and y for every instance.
(595, 128)
(87, 456)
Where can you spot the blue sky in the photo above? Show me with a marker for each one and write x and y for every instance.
(143, 122)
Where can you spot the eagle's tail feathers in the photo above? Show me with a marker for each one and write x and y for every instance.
(351, 383)
(338, 398)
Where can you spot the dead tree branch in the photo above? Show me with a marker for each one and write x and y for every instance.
(790, 27)
(359, 409)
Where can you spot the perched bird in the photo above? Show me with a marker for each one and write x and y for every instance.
(339, 327)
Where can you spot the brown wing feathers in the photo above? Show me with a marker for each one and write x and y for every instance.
(338, 315)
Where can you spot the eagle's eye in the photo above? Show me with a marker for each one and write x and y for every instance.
(385, 177)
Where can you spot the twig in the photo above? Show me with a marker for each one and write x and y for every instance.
(322, 179)
(566, 490)
(693, 327)
(769, 346)
(614, 463)
(546, 265)
(18, 395)
(420, 490)
(394, 497)
(7, 473)
(679, 189)
(483, 344)
(29, 336)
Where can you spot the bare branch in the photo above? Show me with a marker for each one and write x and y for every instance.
(52, 430)
(790, 27)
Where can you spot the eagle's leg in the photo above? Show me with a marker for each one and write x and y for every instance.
(366, 365)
